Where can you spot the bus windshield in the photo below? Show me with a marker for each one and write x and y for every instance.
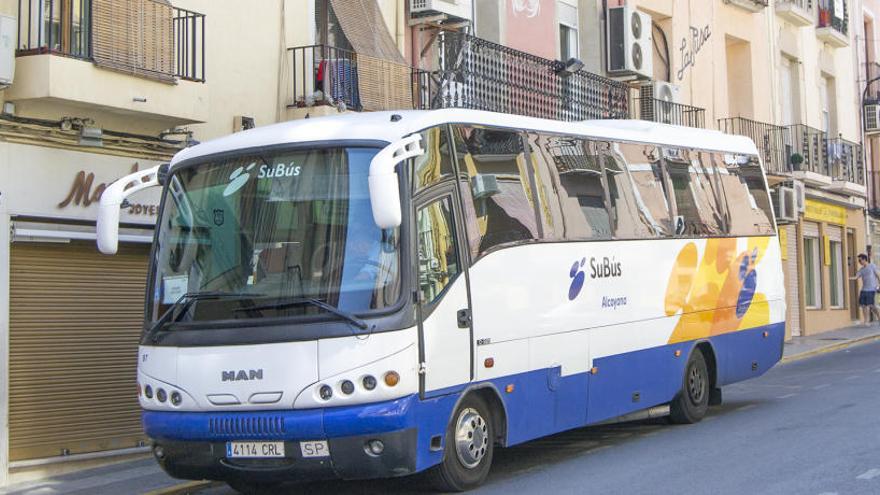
(261, 233)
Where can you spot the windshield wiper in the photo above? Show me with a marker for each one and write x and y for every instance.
(314, 302)
(184, 302)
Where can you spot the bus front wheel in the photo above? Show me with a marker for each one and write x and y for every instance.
(692, 402)
(470, 444)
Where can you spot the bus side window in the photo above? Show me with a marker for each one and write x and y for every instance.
(575, 175)
(435, 165)
(649, 184)
(438, 256)
(694, 192)
(629, 219)
(745, 193)
(498, 180)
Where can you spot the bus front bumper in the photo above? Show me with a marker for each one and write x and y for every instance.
(192, 445)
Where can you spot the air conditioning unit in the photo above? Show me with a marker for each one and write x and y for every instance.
(785, 204)
(656, 100)
(459, 10)
(630, 49)
(872, 119)
(8, 39)
(242, 123)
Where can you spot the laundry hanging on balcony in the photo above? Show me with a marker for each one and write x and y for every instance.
(384, 81)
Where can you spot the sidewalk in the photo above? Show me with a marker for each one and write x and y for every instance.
(143, 476)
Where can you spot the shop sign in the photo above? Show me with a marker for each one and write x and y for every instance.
(55, 183)
(818, 211)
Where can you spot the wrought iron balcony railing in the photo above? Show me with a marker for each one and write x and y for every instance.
(772, 141)
(324, 75)
(148, 38)
(478, 74)
(845, 162)
(829, 17)
(665, 112)
(189, 45)
(794, 148)
(55, 26)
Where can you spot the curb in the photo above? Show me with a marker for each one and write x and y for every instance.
(184, 488)
(831, 348)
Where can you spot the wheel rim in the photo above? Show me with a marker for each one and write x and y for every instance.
(471, 437)
(696, 385)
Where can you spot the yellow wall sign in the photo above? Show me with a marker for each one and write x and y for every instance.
(824, 212)
(783, 242)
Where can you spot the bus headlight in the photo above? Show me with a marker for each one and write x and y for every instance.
(176, 399)
(148, 392)
(347, 387)
(161, 395)
(326, 392)
(369, 382)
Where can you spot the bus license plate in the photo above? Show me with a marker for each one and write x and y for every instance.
(254, 450)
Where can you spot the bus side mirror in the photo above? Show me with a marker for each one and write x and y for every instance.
(111, 203)
(384, 183)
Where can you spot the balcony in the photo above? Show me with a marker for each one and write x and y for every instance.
(478, 74)
(665, 112)
(805, 153)
(328, 79)
(147, 62)
(772, 141)
(797, 12)
(846, 167)
(833, 27)
(750, 5)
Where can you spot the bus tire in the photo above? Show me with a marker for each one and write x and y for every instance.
(692, 402)
(470, 446)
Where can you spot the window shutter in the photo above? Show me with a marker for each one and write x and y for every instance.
(134, 36)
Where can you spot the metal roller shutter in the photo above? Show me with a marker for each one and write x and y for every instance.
(792, 289)
(75, 320)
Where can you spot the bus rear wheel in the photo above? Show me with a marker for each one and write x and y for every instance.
(692, 402)
(470, 445)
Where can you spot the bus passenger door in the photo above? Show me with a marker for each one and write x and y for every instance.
(444, 302)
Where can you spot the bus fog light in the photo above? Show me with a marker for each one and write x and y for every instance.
(159, 452)
(374, 447)
(392, 378)
(369, 382)
(347, 387)
(326, 392)
(176, 399)
(148, 392)
(161, 395)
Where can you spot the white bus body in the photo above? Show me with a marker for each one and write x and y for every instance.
(542, 314)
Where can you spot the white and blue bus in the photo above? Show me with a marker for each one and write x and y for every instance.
(376, 295)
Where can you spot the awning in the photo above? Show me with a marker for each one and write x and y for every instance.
(365, 28)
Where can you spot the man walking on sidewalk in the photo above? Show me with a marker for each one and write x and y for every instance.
(870, 277)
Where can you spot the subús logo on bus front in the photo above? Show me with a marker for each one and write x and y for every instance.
(239, 177)
(604, 268)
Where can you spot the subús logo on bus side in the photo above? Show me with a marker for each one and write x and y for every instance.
(599, 268)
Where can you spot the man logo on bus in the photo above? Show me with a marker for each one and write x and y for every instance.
(577, 278)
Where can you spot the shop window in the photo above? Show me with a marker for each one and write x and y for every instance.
(812, 271)
(745, 195)
(435, 165)
(500, 184)
(836, 273)
(649, 181)
(438, 256)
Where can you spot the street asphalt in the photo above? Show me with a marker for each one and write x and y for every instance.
(806, 427)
